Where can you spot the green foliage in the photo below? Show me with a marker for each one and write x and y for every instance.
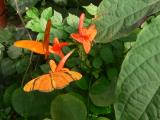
(116, 18)
(31, 104)
(128, 29)
(91, 9)
(138, 83)
(68, 107)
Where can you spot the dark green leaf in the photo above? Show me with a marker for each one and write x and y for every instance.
(106, 54)
(7, 67)
(31, 103)
(45, 68)
(102, 92)
(68, 107)
(8, 94)
(83, 83)
(14, 52)
(97, 62)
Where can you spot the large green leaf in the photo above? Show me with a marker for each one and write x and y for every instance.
(31, 103)
(68, 107)
(115, 18)
(138, 87)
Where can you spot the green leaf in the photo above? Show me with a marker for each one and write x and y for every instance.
(7, 67)
(32, 13)
(47, 13)
(83, 83)
(103, 118)
(23, 4)
(68, 107)
(56, 19)
(61, 34)
(116, 18)
(40, 36)
(97, 62)
(8, 94)
(22, 64)
(112, 73)
(5, 35)
(102, 92)
(14, 52)
(35, 25)
(73, 20)
(138, 87)
(45, 68)
(100, 110)
(31, 103)
(106, 54)
(91, 9)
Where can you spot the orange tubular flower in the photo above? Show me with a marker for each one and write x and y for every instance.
(57, 47)
(85, 36)
(43, 47)
(58, 78)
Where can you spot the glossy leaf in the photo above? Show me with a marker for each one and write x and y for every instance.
(138, 87)
(116, 18)
(32, 103)
(68, 107)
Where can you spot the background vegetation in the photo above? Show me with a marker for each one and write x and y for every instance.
(120, 75)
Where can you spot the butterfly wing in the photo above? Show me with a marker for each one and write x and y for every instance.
(31, 45)
(46, 38)
(62, 79)
(42, 83)
(52, 65)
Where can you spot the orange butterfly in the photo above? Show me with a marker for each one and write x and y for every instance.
(57, 78)
(43, 47)
(85, 35)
